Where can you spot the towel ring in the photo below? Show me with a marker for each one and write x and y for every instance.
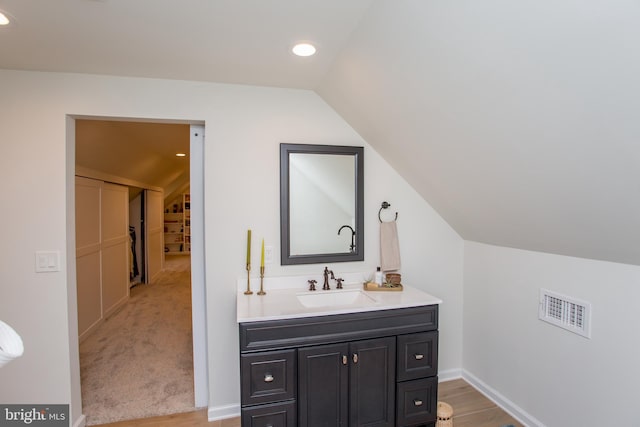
(385, 205)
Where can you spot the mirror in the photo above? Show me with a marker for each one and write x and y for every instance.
(321, 204)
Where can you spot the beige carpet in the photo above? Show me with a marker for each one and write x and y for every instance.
(139, 362)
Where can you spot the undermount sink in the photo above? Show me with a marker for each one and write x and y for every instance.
(336, 298)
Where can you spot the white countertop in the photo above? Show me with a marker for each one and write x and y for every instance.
(281, 302)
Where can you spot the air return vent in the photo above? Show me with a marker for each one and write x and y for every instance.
(566, 312)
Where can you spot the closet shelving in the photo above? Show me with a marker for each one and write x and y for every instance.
(177, 227)
(186, 202)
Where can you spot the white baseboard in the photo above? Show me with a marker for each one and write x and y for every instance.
(449, 374)
(81, 421)
(505, 404)
(216, 413)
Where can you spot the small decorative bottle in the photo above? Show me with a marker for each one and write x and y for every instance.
(378, 276)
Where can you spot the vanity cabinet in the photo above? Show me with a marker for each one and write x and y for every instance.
(375, 368)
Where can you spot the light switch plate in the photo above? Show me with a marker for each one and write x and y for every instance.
(47, 261)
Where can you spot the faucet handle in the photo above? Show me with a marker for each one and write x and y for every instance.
(312, 284)
(339, 280)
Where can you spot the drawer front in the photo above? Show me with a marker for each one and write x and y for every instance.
(417, 356)
(288, 333)
(274, 415)
(417, 402)
(268, 377)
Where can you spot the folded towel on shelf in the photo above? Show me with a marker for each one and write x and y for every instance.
(389, 247)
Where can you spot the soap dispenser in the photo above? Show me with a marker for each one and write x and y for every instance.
(378, 276)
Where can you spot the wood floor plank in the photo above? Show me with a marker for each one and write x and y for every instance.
(186, 419)
(467, 403)
(454, 387)
(492, 417)
(471, 408)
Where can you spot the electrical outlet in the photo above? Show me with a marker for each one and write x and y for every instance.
(268, 254)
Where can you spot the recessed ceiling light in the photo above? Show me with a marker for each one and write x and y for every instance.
(181, 155)
(304, 49)
(4, 20)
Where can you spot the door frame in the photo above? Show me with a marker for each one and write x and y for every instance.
(198, 289)
(200, 372)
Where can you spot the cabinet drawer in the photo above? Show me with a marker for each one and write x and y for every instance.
(417, 356)
(268, 377)
(317, 330)
(274, 415)
(417, 402)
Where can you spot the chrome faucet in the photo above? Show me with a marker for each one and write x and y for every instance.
(327, 272)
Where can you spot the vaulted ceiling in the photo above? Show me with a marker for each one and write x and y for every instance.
(517, 120)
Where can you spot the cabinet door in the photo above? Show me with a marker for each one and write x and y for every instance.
(88, 254)
(372, 382)
(154, 227)
(115, 246)
(323, 386)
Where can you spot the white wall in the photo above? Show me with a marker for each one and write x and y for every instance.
(562, 378)
(244, 126)
(507, 116)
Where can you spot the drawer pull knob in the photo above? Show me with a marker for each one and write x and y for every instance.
(345, 360)
(355, 358)
(268, 378)
(417, 402)
(419, 356)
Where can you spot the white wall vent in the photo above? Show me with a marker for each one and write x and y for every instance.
(566, 312)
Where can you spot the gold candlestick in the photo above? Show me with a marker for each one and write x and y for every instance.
(261, 292)
(248, 291)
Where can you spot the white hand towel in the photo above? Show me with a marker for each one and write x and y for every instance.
(389, 247)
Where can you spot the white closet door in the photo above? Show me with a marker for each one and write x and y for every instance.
(154, 223)
(115, 246)
(88, 254)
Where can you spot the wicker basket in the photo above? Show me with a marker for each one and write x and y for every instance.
(394, 278)
(445, 415)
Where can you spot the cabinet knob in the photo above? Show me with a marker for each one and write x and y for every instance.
(355, 357)
(418, 356)
(268, 378)
(345, 360)
(417, 402)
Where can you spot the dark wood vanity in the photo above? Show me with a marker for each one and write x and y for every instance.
(373, 368)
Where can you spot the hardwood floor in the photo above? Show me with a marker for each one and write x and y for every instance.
(470, 409)
(188, 419)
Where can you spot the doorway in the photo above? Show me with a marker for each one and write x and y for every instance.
(195, 176)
